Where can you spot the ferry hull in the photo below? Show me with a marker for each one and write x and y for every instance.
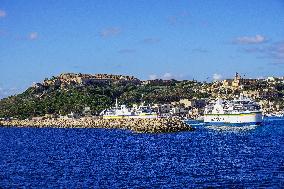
(235, 119)
(232, 124)
(131, 117)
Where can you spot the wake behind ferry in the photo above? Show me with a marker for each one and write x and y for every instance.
(242, 111)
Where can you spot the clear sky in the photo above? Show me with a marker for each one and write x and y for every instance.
(182, 39)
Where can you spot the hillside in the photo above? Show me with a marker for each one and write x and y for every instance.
(73, 92)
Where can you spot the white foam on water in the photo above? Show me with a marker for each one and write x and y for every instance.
(197, 124)
(228, 128)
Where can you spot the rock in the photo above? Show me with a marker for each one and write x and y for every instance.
(159, 125)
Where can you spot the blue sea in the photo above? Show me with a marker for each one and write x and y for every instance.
(227, 157)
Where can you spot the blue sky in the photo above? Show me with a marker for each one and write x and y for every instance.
(182, 39)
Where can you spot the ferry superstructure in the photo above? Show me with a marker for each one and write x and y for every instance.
(119, 112)
(237, 111)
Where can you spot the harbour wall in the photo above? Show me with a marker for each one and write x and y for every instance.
(158, 125)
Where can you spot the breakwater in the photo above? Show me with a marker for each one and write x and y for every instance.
(159, 125)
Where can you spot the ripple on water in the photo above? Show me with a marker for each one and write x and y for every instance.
(228, 157)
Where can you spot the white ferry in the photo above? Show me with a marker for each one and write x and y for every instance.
(238, 111)
(119, 112)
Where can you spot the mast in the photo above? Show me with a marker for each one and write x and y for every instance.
(116, 103)
(142, 102)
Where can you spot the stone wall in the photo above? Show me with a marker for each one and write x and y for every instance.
(159, 125)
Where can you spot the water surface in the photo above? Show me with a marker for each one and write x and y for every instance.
(101, 158)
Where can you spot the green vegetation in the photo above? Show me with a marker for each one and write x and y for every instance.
(60, 100)
(73, 92)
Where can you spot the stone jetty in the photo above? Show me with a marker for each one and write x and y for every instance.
(158, 125)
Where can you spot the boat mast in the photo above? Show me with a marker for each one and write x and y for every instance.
(142, 102)
(116, 103)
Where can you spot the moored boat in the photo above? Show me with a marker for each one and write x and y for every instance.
(119, 112)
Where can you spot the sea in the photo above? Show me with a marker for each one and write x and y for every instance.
(209, 157)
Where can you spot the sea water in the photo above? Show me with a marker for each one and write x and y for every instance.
(251, 157)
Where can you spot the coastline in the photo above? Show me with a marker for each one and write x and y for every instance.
(159, 125)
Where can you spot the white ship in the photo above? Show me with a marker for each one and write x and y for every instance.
(119, 112)
(238, 111)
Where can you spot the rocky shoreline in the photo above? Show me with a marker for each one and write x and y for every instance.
(159, 125)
